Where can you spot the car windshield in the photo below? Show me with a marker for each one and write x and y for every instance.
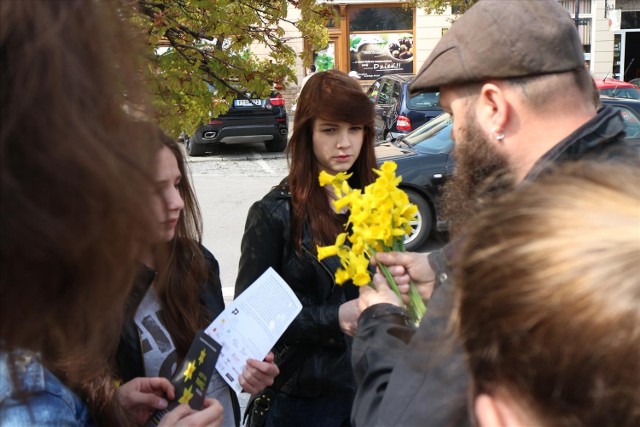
(433, 137)
(424, 101)
(622, 92)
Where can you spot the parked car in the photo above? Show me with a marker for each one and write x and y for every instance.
(425, 160)
(247, 120)
(630, 110)
(396, 112)
(617, 88)
(635, 82)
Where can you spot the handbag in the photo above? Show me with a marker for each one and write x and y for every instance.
(259, 404)
(255, 415)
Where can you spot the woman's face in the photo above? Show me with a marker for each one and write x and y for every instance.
(167, 201)
(336, 145)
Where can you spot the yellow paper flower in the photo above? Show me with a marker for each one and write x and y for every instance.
(379, 218)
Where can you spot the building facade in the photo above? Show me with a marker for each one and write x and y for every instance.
(370, 38)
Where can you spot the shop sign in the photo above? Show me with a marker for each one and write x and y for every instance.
(374, 55)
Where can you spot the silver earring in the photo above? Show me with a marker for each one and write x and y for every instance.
(498, 136)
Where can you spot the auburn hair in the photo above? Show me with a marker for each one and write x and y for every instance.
(329, 95)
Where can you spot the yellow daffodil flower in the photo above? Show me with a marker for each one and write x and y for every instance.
(379, 218)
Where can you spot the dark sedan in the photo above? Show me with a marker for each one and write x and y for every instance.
(425, 159)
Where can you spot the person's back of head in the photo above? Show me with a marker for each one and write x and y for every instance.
(548, 289)
(75, 180)
(312, 68)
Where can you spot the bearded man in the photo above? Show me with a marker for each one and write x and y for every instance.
(511, 73)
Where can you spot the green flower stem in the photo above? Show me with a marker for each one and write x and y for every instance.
(416, 303)
(390, 281)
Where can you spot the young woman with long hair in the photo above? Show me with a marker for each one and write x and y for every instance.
(333, 131)
(178, 290)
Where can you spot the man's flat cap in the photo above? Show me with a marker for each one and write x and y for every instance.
(500, 39)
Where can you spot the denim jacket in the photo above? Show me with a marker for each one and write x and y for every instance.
(47, 401)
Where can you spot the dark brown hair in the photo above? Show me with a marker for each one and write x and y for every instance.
(548, 286)
(183, 274)
(329, 95)
(75, 175)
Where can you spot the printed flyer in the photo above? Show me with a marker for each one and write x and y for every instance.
(252, 323)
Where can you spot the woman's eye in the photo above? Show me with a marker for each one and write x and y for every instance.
(328, 130)
(356, 128)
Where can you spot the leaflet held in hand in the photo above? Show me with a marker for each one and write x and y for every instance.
(251, 324)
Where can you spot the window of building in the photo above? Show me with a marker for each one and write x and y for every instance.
(380, 19)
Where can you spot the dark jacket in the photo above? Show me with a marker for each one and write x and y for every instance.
(408, 377)
(313, 354)
(129, 357)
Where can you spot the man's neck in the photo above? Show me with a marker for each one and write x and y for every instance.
(541, 133)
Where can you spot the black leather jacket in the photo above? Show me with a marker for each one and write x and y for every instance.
(409, 377)
(313, 354)
(129, 357)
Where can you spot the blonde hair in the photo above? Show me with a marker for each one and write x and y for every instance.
(548, 296)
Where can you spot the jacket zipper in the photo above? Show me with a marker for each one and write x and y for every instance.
(324, 267)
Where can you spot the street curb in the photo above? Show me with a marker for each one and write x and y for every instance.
(235, 158)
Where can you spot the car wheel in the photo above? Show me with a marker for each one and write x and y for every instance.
(194, 149)
(421, 226)
(277, 144)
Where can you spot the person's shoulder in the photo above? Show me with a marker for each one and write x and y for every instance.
(277, 197)
(208, 255)
(49, 401)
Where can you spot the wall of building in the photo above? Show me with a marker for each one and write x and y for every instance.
(602, 41)
(428, 30)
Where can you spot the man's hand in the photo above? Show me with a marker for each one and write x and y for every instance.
(404, 267)
(348, 316)
(381, 294)
(211, 415)
(258, 375)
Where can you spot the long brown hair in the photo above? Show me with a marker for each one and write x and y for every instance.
(329, 95)
(74, 176)
(183, 274)
(548, 295)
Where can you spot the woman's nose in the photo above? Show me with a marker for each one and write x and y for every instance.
(344, 139)
(175, 201)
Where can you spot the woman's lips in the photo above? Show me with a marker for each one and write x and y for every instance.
(343, 158)
(171, 222)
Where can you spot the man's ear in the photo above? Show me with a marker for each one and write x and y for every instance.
(494, 411)
(492, 110)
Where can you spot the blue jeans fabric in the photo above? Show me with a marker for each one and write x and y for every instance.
(48, 401)
(288, 411)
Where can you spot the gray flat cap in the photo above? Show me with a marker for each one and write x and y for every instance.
(503, 39)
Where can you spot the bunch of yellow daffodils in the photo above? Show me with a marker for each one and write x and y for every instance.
(379, 218)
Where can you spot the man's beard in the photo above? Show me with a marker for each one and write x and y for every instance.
(482, 174)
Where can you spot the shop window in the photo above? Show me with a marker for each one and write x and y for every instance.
(380, 41)
(380, 19)
(630, 20)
